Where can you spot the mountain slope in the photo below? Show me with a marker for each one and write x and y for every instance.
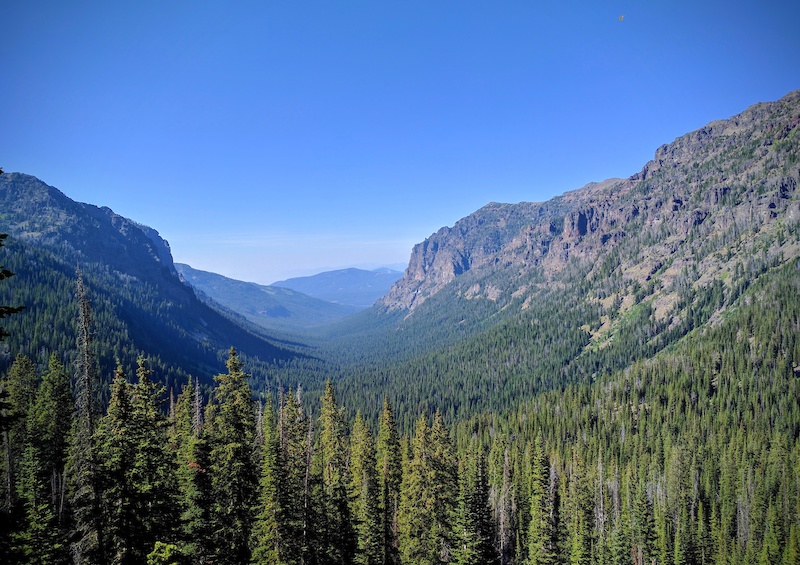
(722, 196)
(350, 287)
(736, 171)
(516, 299)
(140, 304)
(268, 306)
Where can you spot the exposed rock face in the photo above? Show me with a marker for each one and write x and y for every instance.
(722, 185)
(475, 242)
(38, 212)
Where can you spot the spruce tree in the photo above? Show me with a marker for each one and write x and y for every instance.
(193, 481)
(138, 470)
(473, 528)
(233, 477)
(40, 539)
(265, 535)
(365, 496)
(116, 452)
(444, 487)
(336, 535)
(415, 517)
(52, 420)
(643, 527)
(580, 519)
(389, 467)
(153, 471)
(21, 384)
(292, 473)
(542, 548)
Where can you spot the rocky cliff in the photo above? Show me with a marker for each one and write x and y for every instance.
(41, 214)
(715, 197)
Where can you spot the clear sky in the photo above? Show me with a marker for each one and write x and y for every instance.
(279, 138)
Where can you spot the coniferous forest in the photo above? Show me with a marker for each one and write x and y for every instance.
(690, 457)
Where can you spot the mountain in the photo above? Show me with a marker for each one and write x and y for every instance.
(349, 287)
(722, 195)
(520, 298)
(140, 304)
(272, 307)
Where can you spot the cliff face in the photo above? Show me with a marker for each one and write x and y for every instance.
(36, 212)
(707, 200)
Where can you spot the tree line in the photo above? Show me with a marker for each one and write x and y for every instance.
(690, 457)
(230, 480)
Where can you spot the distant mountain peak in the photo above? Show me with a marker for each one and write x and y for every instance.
(351, 286)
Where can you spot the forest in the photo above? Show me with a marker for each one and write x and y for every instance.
(691, 456)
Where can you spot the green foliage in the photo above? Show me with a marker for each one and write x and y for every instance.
(265, 535)
(231, 435)
(389, 468)
(473, 527)
(335, 531)
(365, 495)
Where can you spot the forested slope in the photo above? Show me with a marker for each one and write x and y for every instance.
(692, 456)
(139, 303)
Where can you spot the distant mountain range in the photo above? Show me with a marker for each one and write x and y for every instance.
(271, 307)
(349, 287)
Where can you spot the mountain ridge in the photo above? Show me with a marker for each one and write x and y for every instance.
(546, 236)
(349, 287)
(141, 306)
(269, 306)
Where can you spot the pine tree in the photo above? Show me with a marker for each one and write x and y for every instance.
(40, 540)
(52, 420)
(336, 535)
(365, 496)
(704, 552)
(138, 469)
(416, 520)
(542, 548)
(153, 471)
(389, 467)
(116, 452)
(21, 384)
(83, 477)
(621, 539)
(791, 552)
(643, 528)
(473, 527)
(265, 535)
(444, 487)
(233, 477)
(580, 519)
(291, 481)
(193, 480)
(770, 547)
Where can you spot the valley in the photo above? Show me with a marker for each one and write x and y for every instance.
(611, 376)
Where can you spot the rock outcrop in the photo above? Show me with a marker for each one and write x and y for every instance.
(722, 185)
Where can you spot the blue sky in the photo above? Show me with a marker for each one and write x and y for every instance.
(273, 139)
